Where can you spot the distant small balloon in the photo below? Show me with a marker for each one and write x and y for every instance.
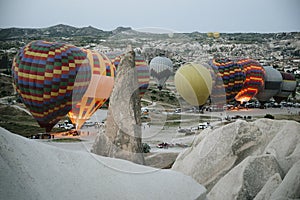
(161, 68)
(213, 34)
(216, 34)
(210, 34)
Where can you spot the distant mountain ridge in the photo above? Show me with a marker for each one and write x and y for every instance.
(60, 30)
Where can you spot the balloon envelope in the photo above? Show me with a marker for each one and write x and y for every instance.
(288, 86)
(143, 73)
(218, 94)
(98, 91)
(47, 75)
(273, 80)
(142, 68)
(216, 34)
(194, 83)
(232, 75)
(115, 57)
(160, 69)
(254, 82)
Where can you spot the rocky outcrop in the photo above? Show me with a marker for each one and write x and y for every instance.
(219, 150)
(161, 160)
(33, 170)
(122, 135)
(285, 146)
(271, 185)
(290, 185)
(246, 179)
(218, 157)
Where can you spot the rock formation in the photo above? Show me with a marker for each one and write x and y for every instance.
(246, 179)
(269, 187)
(34, 170)
(122, 135)
(246, 160)
(290, 185)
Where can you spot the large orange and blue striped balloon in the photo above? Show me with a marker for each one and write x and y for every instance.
(47, 75)
(99, 90)
(232, 76)
(254, 82)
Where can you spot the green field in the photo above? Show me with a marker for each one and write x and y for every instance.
(19, 122)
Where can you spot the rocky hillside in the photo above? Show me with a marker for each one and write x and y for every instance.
(246, 160)
(6, 85)
(59, 30)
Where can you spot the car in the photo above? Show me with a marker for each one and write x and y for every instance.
(59, 125)
(237, 117)
(89, 123)
(69, 126)
(144, 110)
(203, 125)
(178, 110)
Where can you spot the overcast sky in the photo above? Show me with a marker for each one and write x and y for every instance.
(177, 15)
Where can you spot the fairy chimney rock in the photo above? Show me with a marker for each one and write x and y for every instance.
(122, 135)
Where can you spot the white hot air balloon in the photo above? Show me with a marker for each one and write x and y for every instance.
(273, 81)
(160, 69)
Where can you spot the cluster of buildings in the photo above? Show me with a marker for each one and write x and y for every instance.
(282, 50)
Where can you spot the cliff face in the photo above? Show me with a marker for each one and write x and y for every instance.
(122, 135)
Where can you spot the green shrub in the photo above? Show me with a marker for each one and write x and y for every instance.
(146, 148)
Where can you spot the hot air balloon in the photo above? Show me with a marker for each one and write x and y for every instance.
(160, 69)
(216, 34)
(194, 83)
(288, 86)
(99, 90)
(273, 80)
(232, 75)
(218, 94)
(50, 77)
(143, 74)
(213, 34)
(210, 34)
(115, 57)
(254, 82)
